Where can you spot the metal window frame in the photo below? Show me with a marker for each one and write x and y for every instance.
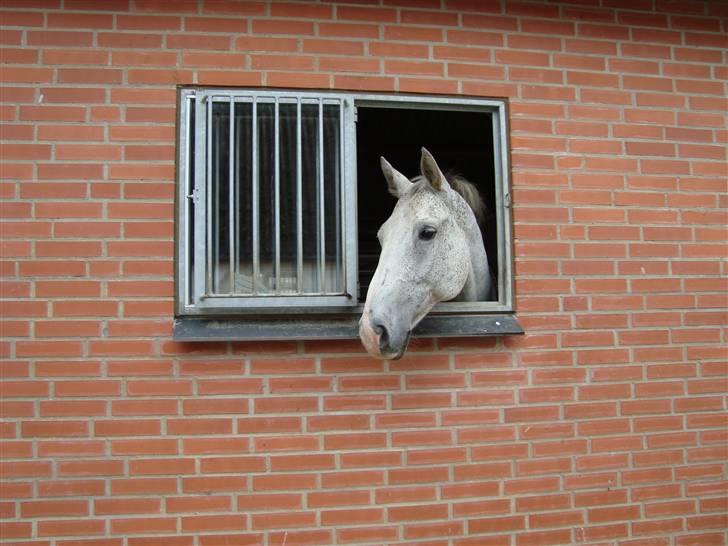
(498, 108)
(311, 316)
(195, 185)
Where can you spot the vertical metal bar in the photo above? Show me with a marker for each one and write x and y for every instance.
(277, 195)
(299, 201)
(200, 199)
(185, 205)
(338, 205)
(499, 200)
(238, 168)
(211, 218)
(505, 271)
(231, 196)
(351, 253)
(256, 197)
(320, 209)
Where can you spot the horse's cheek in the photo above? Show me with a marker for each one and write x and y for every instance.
(451, 271)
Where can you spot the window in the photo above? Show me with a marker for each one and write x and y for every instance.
(280, 196)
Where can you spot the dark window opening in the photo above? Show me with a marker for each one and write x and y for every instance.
(462, 143)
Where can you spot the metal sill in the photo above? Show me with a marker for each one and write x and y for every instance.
(334, 327)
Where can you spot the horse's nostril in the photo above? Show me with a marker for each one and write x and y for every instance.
(383, 335)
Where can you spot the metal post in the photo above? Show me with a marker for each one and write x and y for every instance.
(186, 205)
(209, 288)
(299, 201)
(277, 196)
(338, 205)
(256, 204)
(200, 199)
(238, 168)
(231, 197)
(320, 209)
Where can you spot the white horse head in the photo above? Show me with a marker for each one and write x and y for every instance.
(432, 251)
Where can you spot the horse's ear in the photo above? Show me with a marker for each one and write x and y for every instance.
(396, 181)
(431, 172)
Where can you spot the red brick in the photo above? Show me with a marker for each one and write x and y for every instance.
(283, 26)
(210, 484)
(198, 504)
(489, 525)
(427, 530)
(84, 527)
(417, 513)
(20, 56)
(278, 79)
(60, 488)
(143, 525)
(59, 38)
(537, 538)
(429, 18)
(103, 507)
(53, 508)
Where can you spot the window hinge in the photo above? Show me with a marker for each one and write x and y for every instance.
(356, 114)
(507, 200)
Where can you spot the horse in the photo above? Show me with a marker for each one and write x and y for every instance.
(432, 251)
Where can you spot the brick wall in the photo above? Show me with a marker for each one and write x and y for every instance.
(605, 424)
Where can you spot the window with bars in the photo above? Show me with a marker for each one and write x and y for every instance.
(279, 198)
(266, 202)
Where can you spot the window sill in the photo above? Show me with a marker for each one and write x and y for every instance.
(334, 327)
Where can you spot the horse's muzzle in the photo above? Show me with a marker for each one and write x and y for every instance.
(386, 347)
(378, 341)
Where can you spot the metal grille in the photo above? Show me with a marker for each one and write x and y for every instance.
(269, 198)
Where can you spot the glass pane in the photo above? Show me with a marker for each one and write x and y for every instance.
(190, 242)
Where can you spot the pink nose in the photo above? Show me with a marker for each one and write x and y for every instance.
(369, 337)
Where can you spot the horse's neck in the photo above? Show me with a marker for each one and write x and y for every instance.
(477, 286)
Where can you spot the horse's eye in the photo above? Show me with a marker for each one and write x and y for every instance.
(427, 233)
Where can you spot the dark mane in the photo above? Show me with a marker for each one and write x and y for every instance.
(469, 192)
